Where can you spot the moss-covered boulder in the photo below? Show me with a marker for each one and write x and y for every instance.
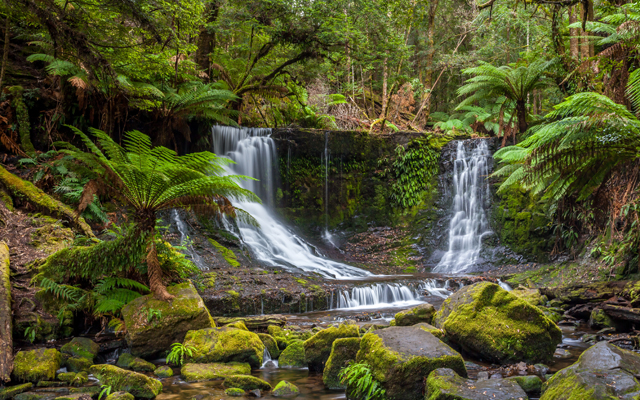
(121, 395)
(119, 379)
(445, 384)
(225, 345)
(206, 372)
(422, 313)
(140, 365)
(10, 392)
(238, 325)
(488, 321)
(402, 356)
(531, 296)
(36, 365)
(293, 356)
(271, 344)
(531, 384)
(285, 389)
(604, 371)
(78, 364)
(342, 352)
(246, 382)
(81, 347)
(234, 392)
(439, 333)
(599, 319)
(125, 359)
(73, 378)
(318, 347)
(153, 325)
(163, 372)
(31, 396)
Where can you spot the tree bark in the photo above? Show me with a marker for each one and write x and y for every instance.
(5, 52)
(6, 323)
(428, 79)
(207, 38)
(573, 32)
(385, 82)
(155, 272)
(521, 109)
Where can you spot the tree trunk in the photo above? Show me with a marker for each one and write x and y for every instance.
(5, 52)
(385, 82)
(521, 109)
(207, 38)
(573, 32)
(6, 324)
(155, 272)
(428, 79)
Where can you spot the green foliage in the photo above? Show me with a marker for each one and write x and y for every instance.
(30, 333)
(413, 169)
(105, 391)
(22, 116)
(152, 314)
(361, 382)
(178, 353)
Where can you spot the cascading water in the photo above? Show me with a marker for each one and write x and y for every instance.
(184, 240)
(267, 361)
(327, 236)
(469, 222)
(254, 154)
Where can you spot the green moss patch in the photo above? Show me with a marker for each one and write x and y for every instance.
(11, 391)
(225, 345)
(140, 365)
(163, 372)
(343, 351)
(210, 371)
(119, 379)
(246, 382)
(271, 344)
(36, 365)
(234, 392)
(81, 347)
(228, 255)
(285, 389)
(318, 347)
(422, 313)
(293, 356)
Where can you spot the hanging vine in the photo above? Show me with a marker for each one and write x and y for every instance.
(413, 170)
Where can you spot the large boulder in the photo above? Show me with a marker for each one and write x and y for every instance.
(119, 379)
(445, 384)
(488, 321)
(81, 347)
(154, 325)
(293, 356)
(10, 392)
(224, 345)
(271, 344)
(602, 372)
(422, 313)
(207, 372)
(318, 347)
(36, 365)
(402, 356)
(342, 352)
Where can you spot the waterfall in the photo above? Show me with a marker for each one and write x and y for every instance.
(184, 240)
(505, 285)
(326, 235)
(469, 221)
(267, 361)
(254, 154)
(383, 295)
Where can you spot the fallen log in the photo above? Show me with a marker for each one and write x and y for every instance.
(6, 325)
(593, 292)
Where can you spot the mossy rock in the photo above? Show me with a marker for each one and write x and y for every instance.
(285, 389)
(78, 364)
(488, 321)
(531, 296)
(36, 365)
(238, 325)
(11, 391)
(81, 347)
(439, 333)
(163, 372)
(246, 382)
(293, 356)
(32, 396)
(51, 384)
(140, 365)
(599, 319)
(148, 337)
(121, 395)
(445, 384)
(119, 379)
(318, 347)
(422, 313)
(73, 378)
(271, 344)
(604, 371)
(401, 357)
(234, 392)
(531, 384)
(343, 351)
(225, 345)
(73, 396)
(125, 359)
(206, 372)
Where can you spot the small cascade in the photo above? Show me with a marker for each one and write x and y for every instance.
(383, 295)
(505, 285)
(326, 235)
(267, 361)
(254, 154)
(184, 241)
(469, 222)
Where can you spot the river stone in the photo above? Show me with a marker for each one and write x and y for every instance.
(11, 391)
(602, 372)
(234, 392)
(124, 360)
(285, 389)
(246, 382)
(186, 312)
(163, 372)
(78, 364)
(207, 372)
(318, 347)
(224, 345)
(531, 384)
(36, 365)
(531, 296)
(271, 344)
(445, 384)
(415, 315)
(81, 347)
(439, 333)
(293, 356)
(140, 365)
(119, 379)
(343, 351)
(488, 321)
(402, 356)
(120, 396)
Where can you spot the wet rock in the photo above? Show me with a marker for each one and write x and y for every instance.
(255, 393)
(11, 391)
(486, 320)
(234, 392)
(589, 338)
(224, 345)
(153, 325)
(246, 382)
(163, 372)
(140, 365)
(343, 351)
(81, 347)
(604, 371)
(78, 364)
(400, 357)
(483, 376)
(124, 360)
(599, 319)
(257, 323)
(293, 356)
(238, 325)
(51, 384)
(119, 379)
(73, 378)
(207, 372)
(439, 333)
(33, 396)
(318, 347)
(445, 384)
(422, 313)
(284, 336)
(531, 296)
(36, 365)
(531, 384)
(286, 390)
(121, 395)
(270, 343)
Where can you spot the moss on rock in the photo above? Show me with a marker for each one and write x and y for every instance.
(342, 352)
(36, 365)
(121, 395)
(206, 372)
(531, 384)
(271, 344)
(124, 360)
(246, 382)
(73, 378)
(439, 333)
(140, 365)
(78, 364)
(234, 392)
(163, 372)
(81, 347)
(11, 391)
(238, 325)
(293, 356)
(422, 313)
(225, 345)
(119, 379)
(285, 389)
(150, 337)
(531, 296)
(486, 320)
(318, 347)
(445, 384)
